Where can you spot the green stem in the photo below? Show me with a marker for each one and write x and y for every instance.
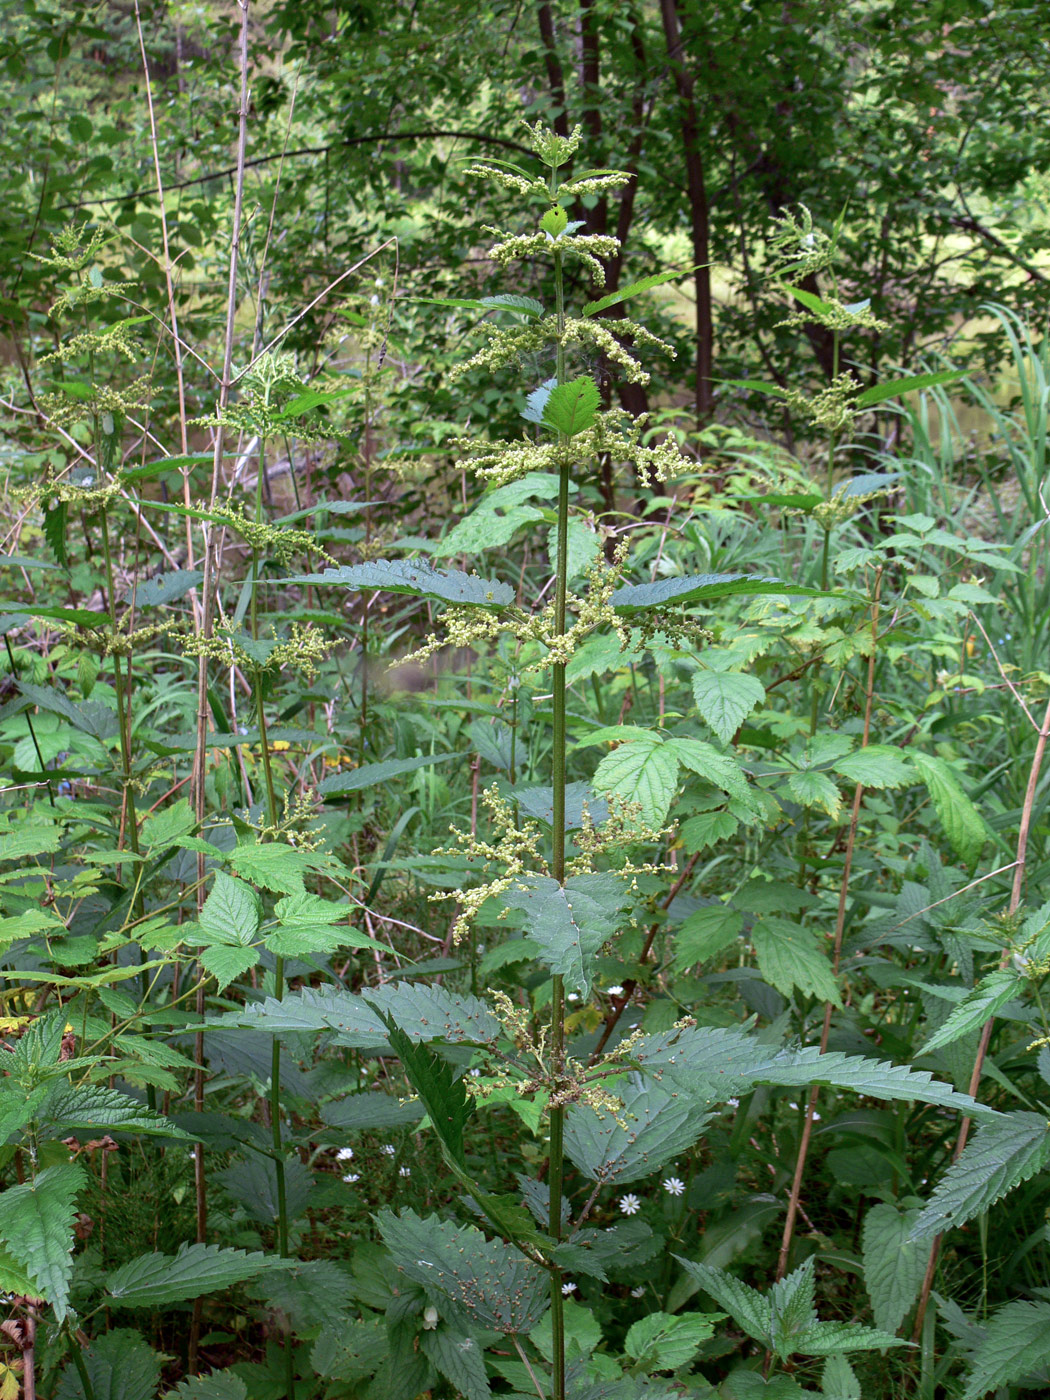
(556, 1171)
(81, 1369)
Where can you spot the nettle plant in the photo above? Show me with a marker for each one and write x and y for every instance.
(574, 869)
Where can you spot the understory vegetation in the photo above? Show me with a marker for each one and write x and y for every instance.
(523, 801)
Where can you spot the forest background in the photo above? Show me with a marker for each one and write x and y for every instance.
(524, 700)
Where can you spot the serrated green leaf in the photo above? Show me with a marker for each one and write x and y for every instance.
(71, 1107)
(989, 996)
(466, 1276)
(747, 1307)
(358, 1112)
(307, 1292)
(876, 766)
(726, 698)
(719, 769)
(274, 865)
(460, 1359)
(652, 1129)
(811, 788)
(226, 963)
(217, 1385)
(445, 1098)
(253, 1184)
(232, 911)
(698, 588)
(665, 1342)
(36, 1225)
(158, 1280)
(583, 1333)
(570, 408)
(418, 579)
(839, 1381)
(484, 529)
(423, 1012)
(893, 1265)
(528, 305)
(569, 923)
(163, 589)
(89, 716)
(705, 934)
(961, 820)
(119, 1365)
(642, 772)
(826, 1338)
(1016, 1342)
(583, 546)
(707, 829)
(791, 956)
(1003, 1153)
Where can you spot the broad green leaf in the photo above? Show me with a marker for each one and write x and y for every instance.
(555, 221)
(19, 561)
(810, 301)
(569, 923)
(876, 766)
(36, 1225)
(700, 588)
(811, 788)
(1016, 1342)
(274, 865)
(460, 1359)
(359, 1112)
(232, 911)
(89, 716)
(893, 1265)
(756, 386)
(1003, 1153)
(583, 1333)
(664, 1342)
(423, 1012)
(538, 802)
(746, 1306)
(163, 828)
(94, 1106)
(644, 284)
(527, 305)
(164, 588)
(705, 934)
(445, 1098)
(216, 1385)
(961, 820)
(868, 484)
(158, 1280)
(466, 1276)
(306, 1291)
(878, 393)
(120, 1365)
(707, 829)
(253, 1183)
(642, 772)
(722, 770)
(989, 996)
(419, 579)
(791, 956)
(484, 529)
(570, 408)
(226, 963)
(653, 1128)
(839, 1380)
(712, 1064)
(583, 546)
(827, 1338)
(726, 698)
(375, 775)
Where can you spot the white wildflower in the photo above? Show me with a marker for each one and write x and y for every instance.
(351, 1177)
(630, 1204)
(674, 1186)
(345, 1154)
(388, 1149)
(404, 1171)
(568, 1288)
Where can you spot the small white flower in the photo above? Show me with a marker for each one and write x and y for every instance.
(616, 991)
(430, 1318)
(351, 1177)
(573, 996)
(388, 1149)
(630, 1204)
(638, 1292)
(733, 1103)
(404, 1171)
(345, 1154)
(816, 1117)
(568, 1288)
(674, 1186)
(475, 1074)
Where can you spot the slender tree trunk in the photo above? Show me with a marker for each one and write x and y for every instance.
(698, 213)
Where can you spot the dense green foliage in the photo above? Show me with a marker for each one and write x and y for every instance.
(522, 799)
